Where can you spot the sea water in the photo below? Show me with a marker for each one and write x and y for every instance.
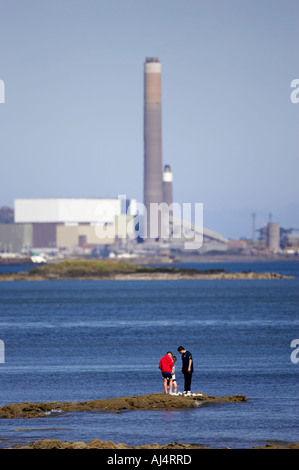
(86, 340)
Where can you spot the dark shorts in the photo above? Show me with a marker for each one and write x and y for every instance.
(166, 375)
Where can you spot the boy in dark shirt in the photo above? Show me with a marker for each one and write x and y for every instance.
(187, 368)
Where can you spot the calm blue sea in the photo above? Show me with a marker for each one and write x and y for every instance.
(85, 340)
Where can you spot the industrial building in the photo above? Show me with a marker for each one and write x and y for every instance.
(15, 237)
(66, 211)
(66, 223)
(273, 237)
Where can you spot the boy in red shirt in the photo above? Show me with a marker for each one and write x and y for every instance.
(166, 365)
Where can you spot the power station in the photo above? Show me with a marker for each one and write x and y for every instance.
(69, 225)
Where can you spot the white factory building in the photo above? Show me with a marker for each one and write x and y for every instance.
(66, 211)
(65, 223)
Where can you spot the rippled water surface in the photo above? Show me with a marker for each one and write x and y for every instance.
(84, 340)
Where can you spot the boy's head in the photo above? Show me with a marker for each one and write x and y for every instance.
(181, 349)
(169, 353)
(174, 358)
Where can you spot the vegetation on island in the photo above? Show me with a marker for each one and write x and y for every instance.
(104, 268)
(75, 268)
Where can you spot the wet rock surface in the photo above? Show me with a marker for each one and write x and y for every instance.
(99, 444)
(158, 401)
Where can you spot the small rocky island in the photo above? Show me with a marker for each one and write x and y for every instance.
(156, 401)
(103, 270)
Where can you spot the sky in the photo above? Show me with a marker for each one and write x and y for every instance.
(72, 121)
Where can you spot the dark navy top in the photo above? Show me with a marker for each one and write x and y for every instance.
(185, 361)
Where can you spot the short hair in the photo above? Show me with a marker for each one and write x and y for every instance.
(180, 348)
(169, 352)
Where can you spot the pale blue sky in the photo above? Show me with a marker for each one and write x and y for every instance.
(72, 121)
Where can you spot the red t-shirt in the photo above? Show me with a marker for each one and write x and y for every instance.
(166, 364)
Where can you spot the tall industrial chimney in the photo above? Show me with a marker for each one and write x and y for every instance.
(153, 184)
(167, 185)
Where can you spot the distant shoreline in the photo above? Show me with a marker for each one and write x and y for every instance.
(165, 260)
(120, 270)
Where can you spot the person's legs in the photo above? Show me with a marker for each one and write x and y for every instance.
(165, 385)
(190, 378)
(175, 386)
(187, 377)
(185, 382)
(170, 386)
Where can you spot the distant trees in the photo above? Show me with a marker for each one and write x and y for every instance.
(6, 215)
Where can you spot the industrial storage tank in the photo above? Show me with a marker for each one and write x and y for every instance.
(273, 236)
